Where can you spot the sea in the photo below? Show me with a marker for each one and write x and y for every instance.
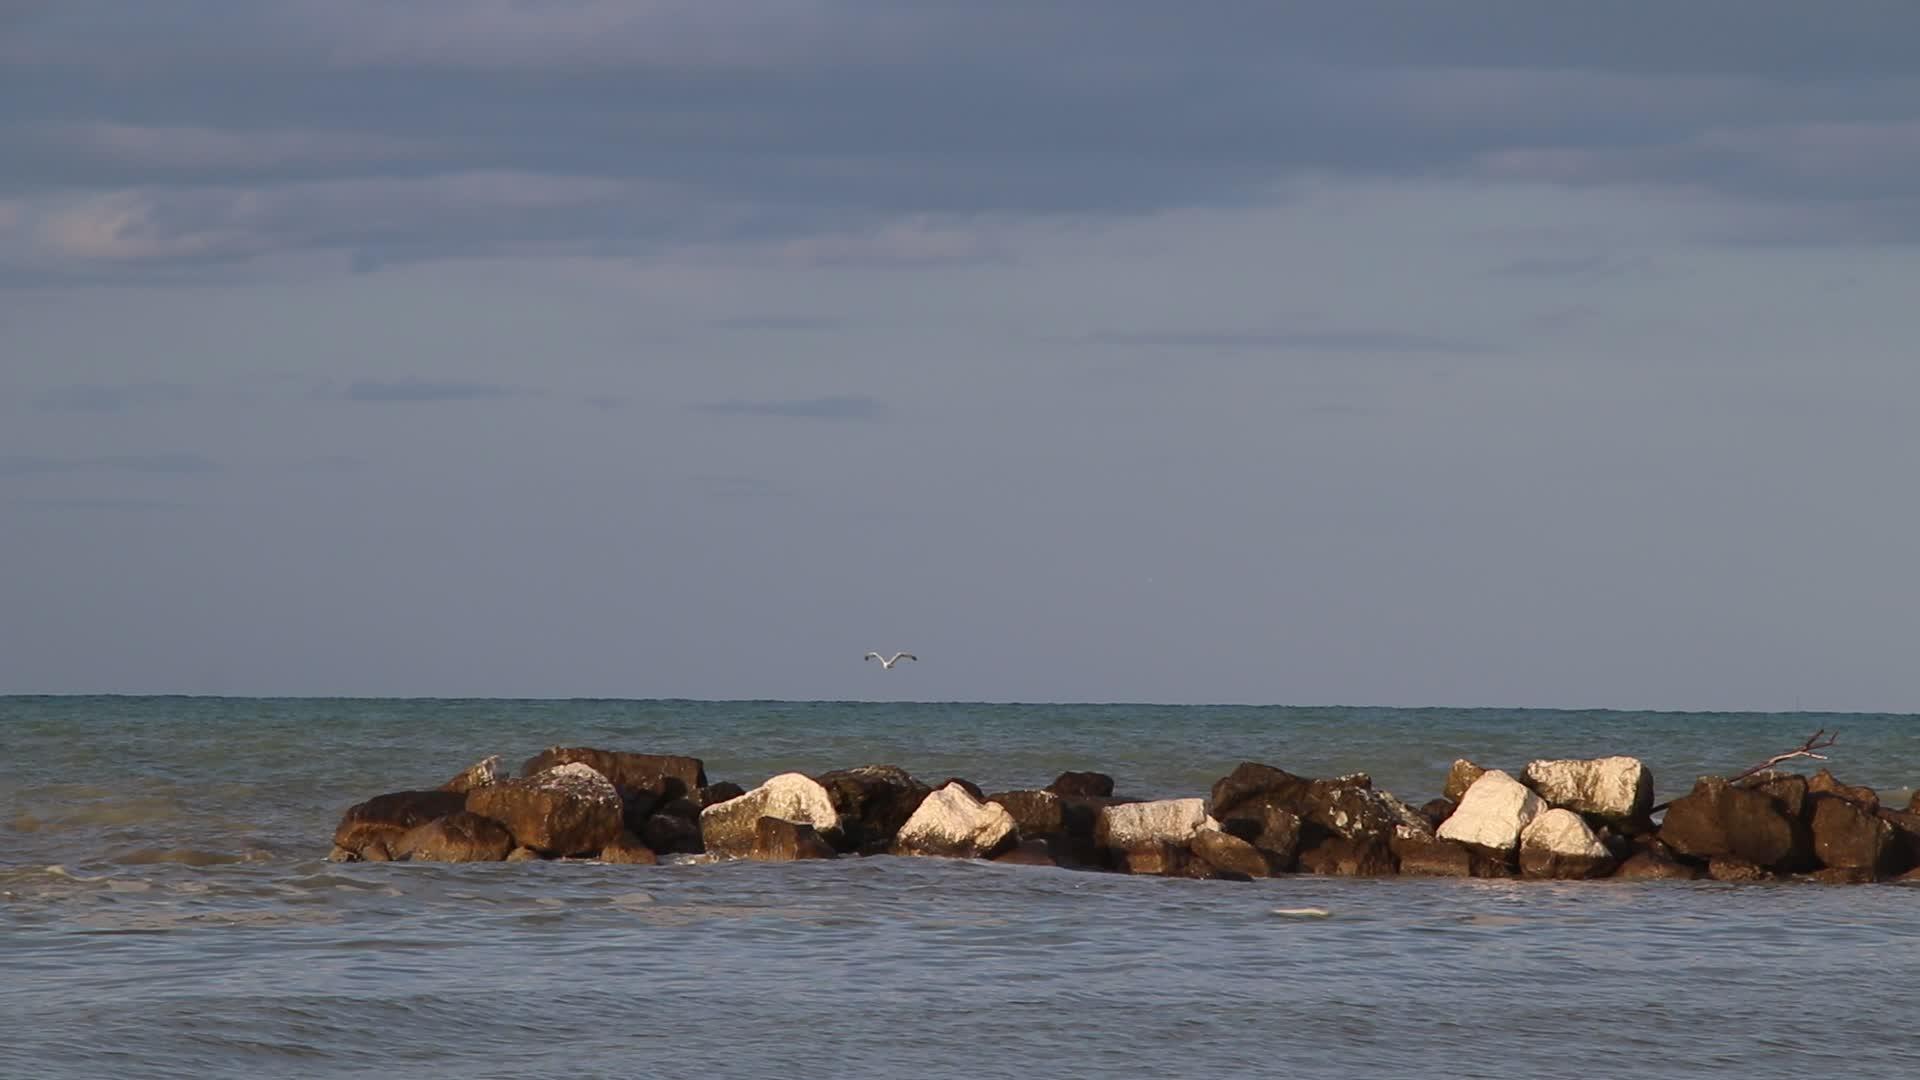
(166, 910)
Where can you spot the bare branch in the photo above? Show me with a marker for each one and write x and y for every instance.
(1815, 743)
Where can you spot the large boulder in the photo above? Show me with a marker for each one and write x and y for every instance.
(663, 776)
(1272, 829)
(1616, 790)
(569, 809)
(1036, 813)
(951, 823)
(779, 840)
(1717, 819)
(1560, 844)
(1141, 825)
(627, 849)
(1250, 780)
(462, 836)
(873, 802)
(1459, 778)
(673, 834)
(1850, 835)
(1224, 851)
(1788, 790)
(368, 829)
(487, 770)
(1246, 800)
(727, 828)
(1093, 785)
(1493, 812)
(1824, 783)
(1906, 837)
(1341, 856)
(1651, 860)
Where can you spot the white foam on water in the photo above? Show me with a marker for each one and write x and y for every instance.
(1303, 912)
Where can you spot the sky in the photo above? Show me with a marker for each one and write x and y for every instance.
(1503, 352)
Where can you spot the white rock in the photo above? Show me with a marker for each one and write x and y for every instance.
(1492, 813)
(726, 828)
(1147, 824)
(1560, 843)
(950, 822)
(1614, 788)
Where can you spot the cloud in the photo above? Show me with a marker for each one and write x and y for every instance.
(1322, 341)
(847, 407)
(418, 390)
(110, 399)
(181, 464)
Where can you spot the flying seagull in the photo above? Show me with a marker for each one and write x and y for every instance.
(886, 663)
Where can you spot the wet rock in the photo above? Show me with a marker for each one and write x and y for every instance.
(1157, 859)
(1273, 830)
(1823, 783)
(778, 840)
(570, 809)
(1030, 851)
(950, 822)
(672, 834)
(1787, 789)
(1131, 826)
(717, 793)
(968, 786)
(1437, 810)
(340, 854)
(1843, 875)
(727, 828)
(873, 802)
(1719, 819)
(1616, 790)
(1250, 780)
(1560, 844)
(1224, 851)
(1459, 778)
(523, 854)
(1652, 860)
(482, 773)
(1434, 857)
(1341, 856)
(459, 837)
(1035, 813)
(627, 849)
(384, 818)
(1084, 784)
(661, 776)
(1850, 834)
(1906, 837)
(1492, 814)
(1735, 869)
(1913, 804)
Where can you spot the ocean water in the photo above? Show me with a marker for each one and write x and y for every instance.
(166, 911)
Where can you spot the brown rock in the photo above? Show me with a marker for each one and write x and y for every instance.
(1734, 868)
(1035, 813)
(1560, 844)
(1823, 783)
(663, 776)
(384, 818)
(1843, 875)
(779, 840)
(1913, 804)
(1031, 851)
(523, 854)
(627, 849)
(1651, 860)
(1906, 837)
(1847, 833)
(486, 771)
(1341, 856)
(1459, 779)
(717, 793)
(966, 785)
(1084, 784)
(1787, 789)
(1435, 858)
(1717, 818)
(458, 837)
(1163, 860)
(1271, 829)
(1224, 851)
(671, 834)
(1437, 810)
(873, 802)
(340, 854)
(1249, 780)
(571, 809)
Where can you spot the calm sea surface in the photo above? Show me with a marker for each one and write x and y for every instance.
(165, 911)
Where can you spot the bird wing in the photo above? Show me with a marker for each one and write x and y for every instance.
(871, 656)
(897, 657)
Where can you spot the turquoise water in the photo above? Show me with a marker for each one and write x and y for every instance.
(165, 910)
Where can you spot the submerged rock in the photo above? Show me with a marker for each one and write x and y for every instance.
(1492, 813)
(728, 828)
(463, 836)
(570, 809)
(1617, 790)
(1560, 844)
(1652, 860)
(779, 840)
(381, 820)
(950, 822)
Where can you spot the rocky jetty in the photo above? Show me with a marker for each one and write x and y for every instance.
(1562, 819)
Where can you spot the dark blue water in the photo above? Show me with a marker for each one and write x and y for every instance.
(165, 911)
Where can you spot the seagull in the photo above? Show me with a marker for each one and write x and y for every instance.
(887, 664)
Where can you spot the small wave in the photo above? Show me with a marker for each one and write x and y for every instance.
(1303, 912)
(184, 856)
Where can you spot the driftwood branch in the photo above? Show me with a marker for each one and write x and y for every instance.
(1815, 743)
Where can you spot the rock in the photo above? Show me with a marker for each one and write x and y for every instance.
(1847, 833)
(1459, 779)
(1843, 875)
(1906, 837)
(1157, 859)
(627, 849)
(1492, 813)
(952, 823)
(1224, 851)
(570, 809)
(1271, 829)
(523, 854)
(1734, 868)
(482, 773)
(1137, 826)
(1345, 857)
(1437, 810)
(340, 854)
(1913, 804)
(1617, 790)
(662, 776)
(1652, 860)
(778, 840)
(727, 828)
(968, 786)
(1349, 807)
(1086, 784)
(1250, 780)
(384, 818)
(1035, 813)
(1436, 858)
(873, 802)
(1787, 789)
(672, 834)
(1079, 821)
(1717, 818)
(1560, 844)
(1030, 851)
(459, 837)
(717, 793)
(1823, 783)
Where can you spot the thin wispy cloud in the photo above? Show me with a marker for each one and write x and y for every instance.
(427, 390)
(110, 399)
(844, 407)
(1316, 341)
(780, 322)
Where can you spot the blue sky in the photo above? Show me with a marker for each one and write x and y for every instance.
(1362, 352)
